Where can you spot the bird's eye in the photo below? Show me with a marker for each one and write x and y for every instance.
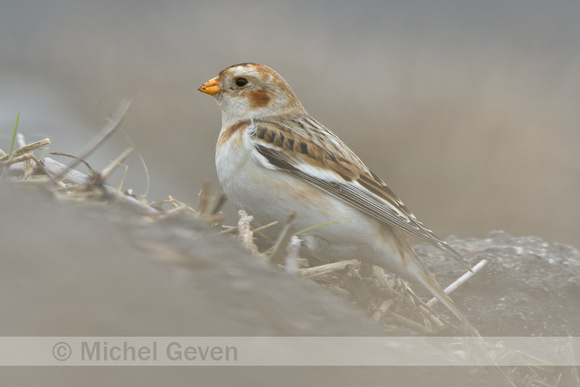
(241, 82)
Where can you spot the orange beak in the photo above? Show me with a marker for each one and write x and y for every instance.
(210, 87)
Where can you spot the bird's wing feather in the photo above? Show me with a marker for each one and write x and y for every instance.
(341, 174)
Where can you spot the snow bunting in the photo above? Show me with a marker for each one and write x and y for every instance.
(273, 158)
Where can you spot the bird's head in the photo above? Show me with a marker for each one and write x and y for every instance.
(251, 90)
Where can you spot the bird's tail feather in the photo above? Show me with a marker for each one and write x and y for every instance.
(420, 274)
(431, 285)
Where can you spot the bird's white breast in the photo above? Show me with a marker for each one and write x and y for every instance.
(269, 194)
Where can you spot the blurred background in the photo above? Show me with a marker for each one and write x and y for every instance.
(468, 110)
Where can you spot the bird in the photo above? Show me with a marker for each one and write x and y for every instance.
(273, 158)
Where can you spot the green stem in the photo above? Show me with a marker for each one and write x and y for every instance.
(14, 135)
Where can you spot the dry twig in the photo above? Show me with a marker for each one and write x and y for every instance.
(103, 134)
(381, 310)
(327, 269)
(460, 281)
(23, 151)
(105, 173)
(245, 232)
(279, 250)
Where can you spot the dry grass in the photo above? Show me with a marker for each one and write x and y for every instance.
(387, 300)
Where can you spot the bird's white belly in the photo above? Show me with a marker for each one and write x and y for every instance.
(271, 195)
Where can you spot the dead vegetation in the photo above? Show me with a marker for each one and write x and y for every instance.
(385, 299)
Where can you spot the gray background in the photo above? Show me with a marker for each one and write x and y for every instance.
(469, 110)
